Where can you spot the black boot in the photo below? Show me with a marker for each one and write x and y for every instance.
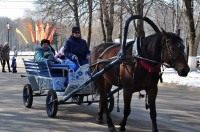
(3, 69)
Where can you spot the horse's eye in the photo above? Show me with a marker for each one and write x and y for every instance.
(168, 40)
(172, 48)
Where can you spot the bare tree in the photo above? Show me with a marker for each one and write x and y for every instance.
(90, 22)
(102, 23)
(194, 37)
(71, 13)
(138, 8)
(140, 23)
(108, 17)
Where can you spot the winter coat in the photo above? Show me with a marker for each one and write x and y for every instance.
(39, 55)
(5, 53)
(14, 63)
(76, 47)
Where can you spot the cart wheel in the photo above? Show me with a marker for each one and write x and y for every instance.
(27, 96)
(51, 103)
(78, 99)
(110, 103)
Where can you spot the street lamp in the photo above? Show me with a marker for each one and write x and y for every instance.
(8, 31)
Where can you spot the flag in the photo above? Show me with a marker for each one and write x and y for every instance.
(30, 28)
(48, 26)
(17, 30)
(36, 32)
(40, 30)
(50, 38)
(34, 35)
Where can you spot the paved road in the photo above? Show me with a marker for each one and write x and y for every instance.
(178, 110)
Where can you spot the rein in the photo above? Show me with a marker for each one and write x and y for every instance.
(160, 63)
(137, 52)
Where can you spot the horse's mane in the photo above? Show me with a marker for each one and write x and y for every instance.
(175, 38)
(153, 44)
(100, 46)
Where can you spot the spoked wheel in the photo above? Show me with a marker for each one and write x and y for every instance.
(51, 103)
(27, 96)
(78, 99)
(110, 103)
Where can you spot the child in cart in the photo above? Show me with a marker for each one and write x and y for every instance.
(48, 56)
(61, 56)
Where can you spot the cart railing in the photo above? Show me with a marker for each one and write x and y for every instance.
(43, 69)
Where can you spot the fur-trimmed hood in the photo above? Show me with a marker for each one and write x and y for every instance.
(39, 48)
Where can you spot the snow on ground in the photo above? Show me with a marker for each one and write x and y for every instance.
(171, 76)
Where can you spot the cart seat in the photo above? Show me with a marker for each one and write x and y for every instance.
(43, 69)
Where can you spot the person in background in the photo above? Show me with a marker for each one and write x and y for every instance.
(14, 49)
(39, 54)
(14, 65)
(1, 46)
(15, 53)
(5, 56)
(76, 50)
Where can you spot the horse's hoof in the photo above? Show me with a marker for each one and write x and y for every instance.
(122, 129)
(112, 129)
(99, 121)
(155, 130)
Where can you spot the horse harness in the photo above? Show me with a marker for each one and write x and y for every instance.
(136, 59)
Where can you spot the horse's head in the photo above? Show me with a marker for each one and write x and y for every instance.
(173, 53)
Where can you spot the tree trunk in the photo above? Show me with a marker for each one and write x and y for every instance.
(90, 22)
(121, 20)
(76, 16)
(102, 24)
(193, 46)
(108, 18)
(140, 23)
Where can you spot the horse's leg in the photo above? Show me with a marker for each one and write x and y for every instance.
(100, 112)
(99, 84)
(127, 108)
(103, 105)
(152, 94)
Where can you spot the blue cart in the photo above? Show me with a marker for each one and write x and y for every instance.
(45, 80)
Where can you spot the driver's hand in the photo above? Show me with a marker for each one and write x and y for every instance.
(75, 58)
(88, 58)
(50, 62)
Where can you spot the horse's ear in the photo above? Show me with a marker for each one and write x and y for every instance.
(178, 32)
(164, 33)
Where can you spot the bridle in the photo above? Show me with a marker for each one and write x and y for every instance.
(172, 64)
(172, 58)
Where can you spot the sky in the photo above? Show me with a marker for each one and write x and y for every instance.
(14, 8)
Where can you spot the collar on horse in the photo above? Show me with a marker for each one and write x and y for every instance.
(137, 52)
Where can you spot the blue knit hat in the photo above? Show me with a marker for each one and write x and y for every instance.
(75, 29)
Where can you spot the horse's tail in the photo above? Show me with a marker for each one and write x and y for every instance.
(94, 70)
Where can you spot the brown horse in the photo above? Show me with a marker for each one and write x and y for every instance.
(136, 73)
